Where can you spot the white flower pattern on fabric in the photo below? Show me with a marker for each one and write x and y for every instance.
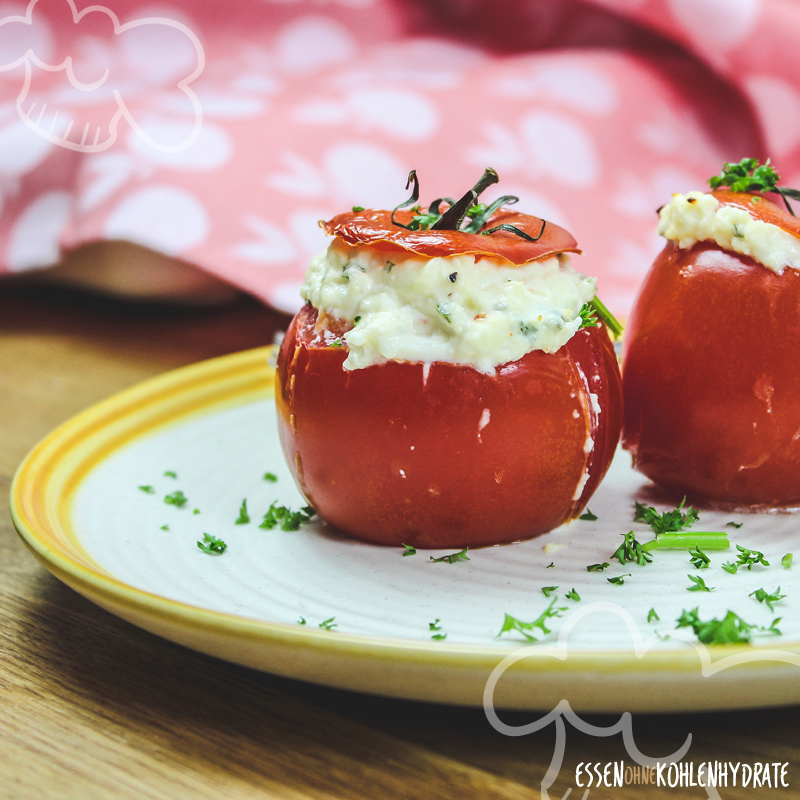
(312, 106)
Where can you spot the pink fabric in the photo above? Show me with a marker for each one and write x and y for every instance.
(592, 111)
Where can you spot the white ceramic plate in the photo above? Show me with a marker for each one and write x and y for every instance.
(77, 504)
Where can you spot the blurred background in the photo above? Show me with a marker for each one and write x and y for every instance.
(185, 151)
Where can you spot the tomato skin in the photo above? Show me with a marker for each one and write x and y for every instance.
(711, 378)
(760, 207)
(376, 229)
(453, 458)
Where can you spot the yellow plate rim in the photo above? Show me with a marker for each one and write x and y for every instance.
(45, 484)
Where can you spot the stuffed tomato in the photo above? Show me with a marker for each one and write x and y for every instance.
(711, 374)
(445, 387)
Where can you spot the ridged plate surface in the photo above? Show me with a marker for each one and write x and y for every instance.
(77, 504)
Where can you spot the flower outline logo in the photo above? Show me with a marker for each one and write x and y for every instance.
(36, 116)
(563, 713)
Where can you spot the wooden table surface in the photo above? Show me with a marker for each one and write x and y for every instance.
(92, 707)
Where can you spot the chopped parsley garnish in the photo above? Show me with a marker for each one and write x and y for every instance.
(422, 220)
(731, 629)
(550, 565)
(284, 517)
(271, 477)
(786, 561)
(588, 318)
(631, 550)
(409, 550)
(698, 584)
(337, 343)
(768, 598)
(244, 517)
(356, 209)
(453, 557)
(729, 566)
(435, 626)
(746, 176)
(592, 311)
(669, 521)
(749, 558)
(652, 615)
(619, 579)
(170, 474)
(548, 590)
(301, 621)
(750, 176)
(176, 499)
(526, 629)
(212, 545)
(699, 559)
(669, 535)
(732, 524)
(196, 511)
(165, 527)
(573, 595)
(588, 516)
(598, 567)
(148, 489)
(328, 624)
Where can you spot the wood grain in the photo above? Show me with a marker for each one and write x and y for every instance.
(91, 707)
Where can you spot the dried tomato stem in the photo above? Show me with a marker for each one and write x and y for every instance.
(451, 219)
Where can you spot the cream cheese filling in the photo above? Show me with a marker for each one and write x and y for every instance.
(699, 217)
(481, 313)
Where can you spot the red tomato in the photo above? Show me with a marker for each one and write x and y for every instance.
(711, 373)
(375, 228)
(446, 456)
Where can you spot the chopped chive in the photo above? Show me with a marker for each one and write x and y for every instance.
(708, 540)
